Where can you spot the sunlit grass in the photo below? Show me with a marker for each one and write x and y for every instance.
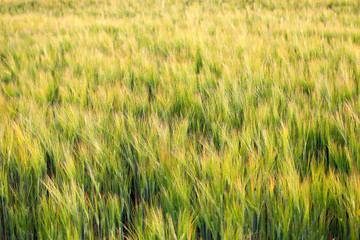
(179, 119)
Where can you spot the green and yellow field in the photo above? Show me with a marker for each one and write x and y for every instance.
(179, 119)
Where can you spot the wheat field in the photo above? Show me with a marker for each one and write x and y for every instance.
(179, 119)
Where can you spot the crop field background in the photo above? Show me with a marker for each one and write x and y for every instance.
(179, 119)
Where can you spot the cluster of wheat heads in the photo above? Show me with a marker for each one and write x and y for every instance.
(179, 119)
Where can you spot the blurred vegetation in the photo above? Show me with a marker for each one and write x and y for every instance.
(179, 119)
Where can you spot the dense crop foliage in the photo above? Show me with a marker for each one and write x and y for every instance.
(179, 119)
